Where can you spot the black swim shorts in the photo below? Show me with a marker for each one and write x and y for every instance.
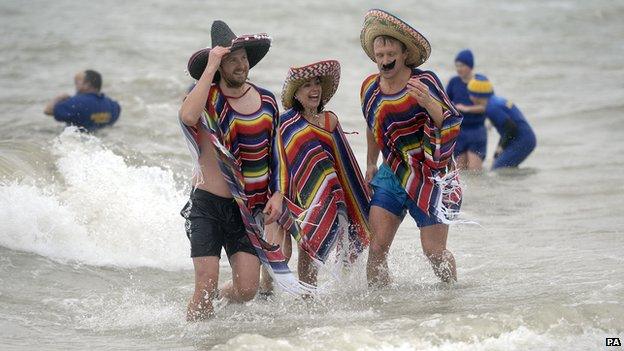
(213, 222)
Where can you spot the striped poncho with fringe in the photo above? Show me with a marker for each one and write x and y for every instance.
(318, 175)
(242, 145)
(418, 152)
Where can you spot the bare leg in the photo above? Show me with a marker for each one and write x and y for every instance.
(433, 240)
(462, 161)
(245, 278)
(306, 269)
(384, 225)
(275, 235)
(206, 280)
(286, 244)
(474, 161)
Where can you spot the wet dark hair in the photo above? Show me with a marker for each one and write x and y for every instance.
(388, 39)
(299, 107)
(93, 78)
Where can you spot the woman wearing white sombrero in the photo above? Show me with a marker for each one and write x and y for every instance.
(413, 123)
(315, 171)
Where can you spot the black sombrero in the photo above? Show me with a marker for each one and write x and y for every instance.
(256, 45)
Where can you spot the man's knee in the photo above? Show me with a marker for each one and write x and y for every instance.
(205, 279)
(433, 239)
(381, 239)
(246, 291)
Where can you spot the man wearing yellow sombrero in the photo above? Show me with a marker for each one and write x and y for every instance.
(414, 125)
(223, 104)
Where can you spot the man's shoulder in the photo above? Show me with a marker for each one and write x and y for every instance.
(497, 101)
(214, 89)
(74, 109)
(424, 73)
(267, 96)
(370, 79)
(428, 77)
(75, 98)
(73, 103)
(503, 103)
(495, 104)
(369, 82)
(110, 100)
(264, 92)
(215, 100)
(90, 98)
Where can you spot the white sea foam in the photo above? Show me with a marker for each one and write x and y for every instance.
(353, 338)
(550, 249)
(105, 212)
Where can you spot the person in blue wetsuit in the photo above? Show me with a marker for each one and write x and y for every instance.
(471, 145)
(517, 138)
(89, 108)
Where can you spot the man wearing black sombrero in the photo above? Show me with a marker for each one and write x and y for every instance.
(224, 104)
(414, 124)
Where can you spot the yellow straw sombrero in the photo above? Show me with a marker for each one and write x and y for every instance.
(378, 22)
(328, 71)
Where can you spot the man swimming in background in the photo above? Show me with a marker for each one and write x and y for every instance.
(89, 109)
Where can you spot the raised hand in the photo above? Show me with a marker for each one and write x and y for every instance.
(215, 56)
(419, 91)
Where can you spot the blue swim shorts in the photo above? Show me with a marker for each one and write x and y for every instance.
(390, 195)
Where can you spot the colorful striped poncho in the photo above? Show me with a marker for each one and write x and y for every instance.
(419, 153)
(248, 138)
(239, 166)
(318, 175)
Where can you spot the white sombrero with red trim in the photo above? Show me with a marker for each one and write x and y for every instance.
(328, 71)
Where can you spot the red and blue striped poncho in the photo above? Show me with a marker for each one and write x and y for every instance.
(318, 175)
(417, 151)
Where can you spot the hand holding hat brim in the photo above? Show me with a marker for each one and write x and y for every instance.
(256, 45)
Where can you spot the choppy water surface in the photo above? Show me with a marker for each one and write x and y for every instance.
(92, 249)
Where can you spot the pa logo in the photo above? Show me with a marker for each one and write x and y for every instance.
(613, 342)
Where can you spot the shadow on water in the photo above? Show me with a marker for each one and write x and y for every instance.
(516, 173)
